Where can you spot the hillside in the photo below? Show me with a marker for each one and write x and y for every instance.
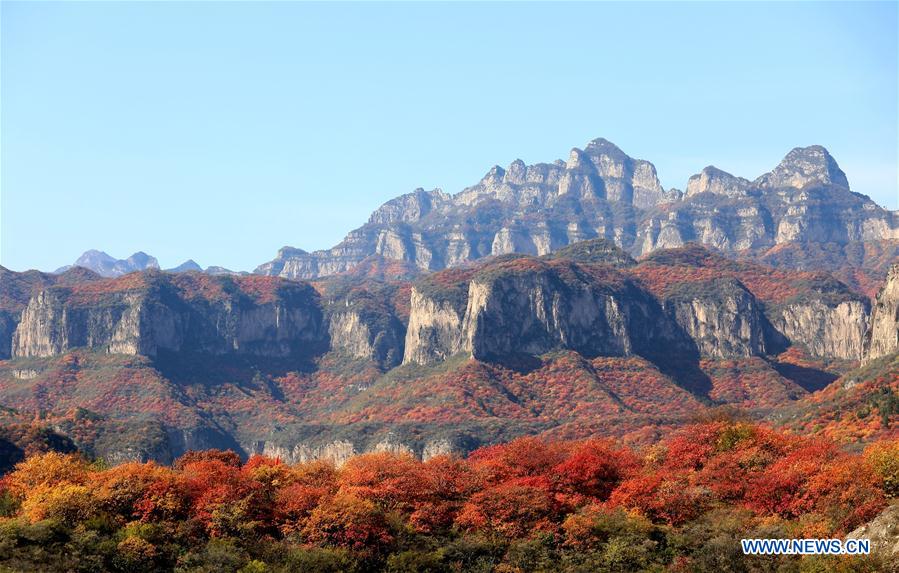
(584, 341)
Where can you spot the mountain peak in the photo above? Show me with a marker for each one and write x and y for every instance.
(494, 176)
(188, 265)
(107, 266)
(602, 144)
(804, 166)
(717, 181)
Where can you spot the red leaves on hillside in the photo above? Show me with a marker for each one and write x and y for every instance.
(516, 490)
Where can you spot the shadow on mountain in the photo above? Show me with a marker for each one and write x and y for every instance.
(685, 372)
(809, 379)
(520, 363)
(214, 370)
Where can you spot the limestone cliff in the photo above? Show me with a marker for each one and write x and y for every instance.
(361, 337)
(882, 337)
(721, 317)
(532, 209)
(434, 331)
(533, 306)
(148, 312)
(804, 200)
(718, 182)
(834, 331)
(339, 451)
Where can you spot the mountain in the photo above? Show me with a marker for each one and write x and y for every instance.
(801, 214)
(585, 340)
(188, 265)
(107, 266)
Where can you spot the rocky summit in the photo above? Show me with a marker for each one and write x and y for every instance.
(802, 214)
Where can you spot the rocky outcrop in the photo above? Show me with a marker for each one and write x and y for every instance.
(713, 180)
(804, 200)
(882, 338)
(156, 312)
(721, 317)
(825, 330)
(339, 451)
(804, 166)
(883, 532)
(410, 207)
(353, 334)
(536, 313)
(434, 331)
(532, 209)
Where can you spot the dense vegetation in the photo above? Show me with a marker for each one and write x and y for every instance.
(528, 505)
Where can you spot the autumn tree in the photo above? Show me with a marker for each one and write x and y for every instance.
(348, 521)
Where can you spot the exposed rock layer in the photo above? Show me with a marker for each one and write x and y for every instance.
(155, 312)
(882, 337)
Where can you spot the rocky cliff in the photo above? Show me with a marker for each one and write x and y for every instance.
(525, 305)
(835, 331)
(805, 200)
(882, 338)
(803, 204)
(721, 317)
(17, 289)
(145, 313)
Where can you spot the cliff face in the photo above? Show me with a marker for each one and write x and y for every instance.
(533, 306)
(351, 333)
(339, 451)
(17, 289)
(827, 331)
(434, 331)
(694, 305)
(156, 312)
(721, 317)
(882, 337)
(50, 326)
(536, 313)
(600, 192)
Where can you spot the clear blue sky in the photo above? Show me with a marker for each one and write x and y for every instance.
(222, 131)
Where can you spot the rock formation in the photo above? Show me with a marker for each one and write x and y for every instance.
(882, 337)
(721, 317)
(836, 331)
(600, 192)
(151, 312)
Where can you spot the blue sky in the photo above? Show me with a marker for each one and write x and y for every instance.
(223, 131)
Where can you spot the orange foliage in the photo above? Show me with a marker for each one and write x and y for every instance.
(577, 490)
(351, 522)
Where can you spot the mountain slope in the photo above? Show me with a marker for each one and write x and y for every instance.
(582, 341)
